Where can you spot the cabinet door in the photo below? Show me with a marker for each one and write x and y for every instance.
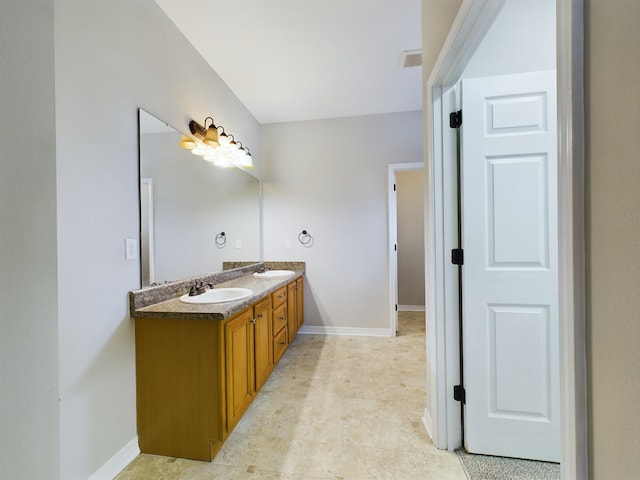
(299, 303)
(239, 342)
(263, 342)
(292, 323)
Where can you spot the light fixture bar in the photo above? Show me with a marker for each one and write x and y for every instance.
(223, 147)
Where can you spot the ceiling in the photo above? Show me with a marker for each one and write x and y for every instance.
(293, 60)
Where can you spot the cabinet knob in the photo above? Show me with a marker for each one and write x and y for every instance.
(281, 318)
(259, 316)
(282, 343)
(253, 320)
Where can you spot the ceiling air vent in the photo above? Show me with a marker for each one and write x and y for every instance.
(411, 58)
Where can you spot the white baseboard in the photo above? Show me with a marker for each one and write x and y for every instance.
(428, 423)
(118, 462)
(411, 308)
(364, 332)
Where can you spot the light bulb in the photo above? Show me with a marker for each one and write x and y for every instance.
(200, 150)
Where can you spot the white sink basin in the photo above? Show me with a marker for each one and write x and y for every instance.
(218, 295)
(274, 273)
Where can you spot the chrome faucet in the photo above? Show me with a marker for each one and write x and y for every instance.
(198, 288)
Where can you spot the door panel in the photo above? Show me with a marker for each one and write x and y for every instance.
(510, 306)
(520, 180)
(519, 357)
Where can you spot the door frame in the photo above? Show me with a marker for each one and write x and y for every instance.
(146, 198)
(393, 169)
(442, 415)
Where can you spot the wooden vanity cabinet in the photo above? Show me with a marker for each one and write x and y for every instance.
(280, 330)
(295, 307)
(180, 386)
(263, 346)
(248, 358)
(195, 378)
(239, 363)
(299, 302)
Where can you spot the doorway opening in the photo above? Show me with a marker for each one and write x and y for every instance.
(406, 195)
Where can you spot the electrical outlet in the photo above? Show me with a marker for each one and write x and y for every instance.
(130, 249)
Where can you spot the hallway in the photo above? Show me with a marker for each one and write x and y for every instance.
(335, 408)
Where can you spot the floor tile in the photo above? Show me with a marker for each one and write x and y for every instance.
(335, 408)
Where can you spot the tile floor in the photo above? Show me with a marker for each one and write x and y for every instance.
(335, 408)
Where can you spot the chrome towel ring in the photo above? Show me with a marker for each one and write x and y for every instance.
(305, 237)
(221, 239)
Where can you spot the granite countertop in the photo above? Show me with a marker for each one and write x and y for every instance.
(218, 311)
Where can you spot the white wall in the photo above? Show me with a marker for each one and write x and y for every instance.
(330, 178)
(112, 56)
(29, 442)
(411, 261)
(522, 39)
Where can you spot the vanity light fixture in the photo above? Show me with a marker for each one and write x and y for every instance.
(188, 143)
(216, 146)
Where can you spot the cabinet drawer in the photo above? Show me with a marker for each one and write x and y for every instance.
(279, 297)
(279, 319)
(279, 345)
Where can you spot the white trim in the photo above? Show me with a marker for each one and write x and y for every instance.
(573, 366)
(150, 226)
(428, 423)
(118, 462)
(471, 24)
(392, 252)
(473, 20)
(411, 308)
(393, 238)
(346, 331)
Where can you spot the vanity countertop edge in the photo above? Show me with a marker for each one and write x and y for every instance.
(174, 308)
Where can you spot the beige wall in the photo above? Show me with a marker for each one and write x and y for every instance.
(437, 17)
(612, 78)
(411, 271)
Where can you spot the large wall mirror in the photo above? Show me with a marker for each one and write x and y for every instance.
(186, 204)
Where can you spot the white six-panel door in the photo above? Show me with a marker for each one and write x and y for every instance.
(510, 272)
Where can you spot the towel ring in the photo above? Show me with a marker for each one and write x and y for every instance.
(221, 239)
(305, 237)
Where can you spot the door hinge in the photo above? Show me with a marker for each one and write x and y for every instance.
(394, 187)
(459, 395)
(396, 307)
(395, 247)
(457, 256)
(455, 119)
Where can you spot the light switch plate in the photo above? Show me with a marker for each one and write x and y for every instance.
(287, 243)
(130, 249)
(238, 243)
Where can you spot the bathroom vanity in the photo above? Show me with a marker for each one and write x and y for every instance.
(199, 366)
